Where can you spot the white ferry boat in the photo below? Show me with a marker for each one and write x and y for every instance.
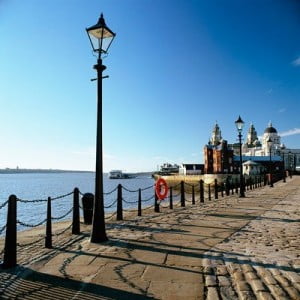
(118, 174)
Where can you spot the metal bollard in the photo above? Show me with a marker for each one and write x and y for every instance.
(10, 248)
(48, 238)
(140, 203)
(120, 203)
(201, 191)
(216, 189)
(209, 193)
(227, 187)
(171, 197)
(156, 203)
(182, 196)
(193, 194)
(76, 212)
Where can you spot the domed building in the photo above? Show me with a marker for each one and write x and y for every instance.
(254, 147)
(270, 133)
(220, 157)
(258, 151)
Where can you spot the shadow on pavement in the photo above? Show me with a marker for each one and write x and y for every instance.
(24, 283)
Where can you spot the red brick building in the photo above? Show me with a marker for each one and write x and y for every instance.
(217, 157)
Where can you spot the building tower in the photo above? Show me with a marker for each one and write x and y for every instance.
(216, 136)
(252, 139)
(218, 159)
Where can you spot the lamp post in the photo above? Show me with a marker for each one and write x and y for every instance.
(269, 142)
(283, 171)
(101, 38)
(290, 163)
(239, 123)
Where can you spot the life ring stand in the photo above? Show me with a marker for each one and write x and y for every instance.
(160, 192)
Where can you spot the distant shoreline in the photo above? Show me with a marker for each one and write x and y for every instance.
(45, 171)
(52, 171)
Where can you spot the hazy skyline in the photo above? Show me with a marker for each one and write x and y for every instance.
(175, 68)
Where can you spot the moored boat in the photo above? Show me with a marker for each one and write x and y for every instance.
(118, 174)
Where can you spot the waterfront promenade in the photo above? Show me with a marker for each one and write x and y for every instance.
(231, 248)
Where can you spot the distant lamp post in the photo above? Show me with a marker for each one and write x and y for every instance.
(283, 171)
(101, 38)
(239, 123)
(290, 162)
(269, 142)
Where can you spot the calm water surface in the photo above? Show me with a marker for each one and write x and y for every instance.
(40, 186)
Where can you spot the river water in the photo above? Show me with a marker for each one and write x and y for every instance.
(34, 186)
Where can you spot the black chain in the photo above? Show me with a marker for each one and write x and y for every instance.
(31, 201)
(43, 200)
(176, 195)
(197, 191)
(189, 184)
(62, 196)
(147, 188)
(108, 193)
(3, 204)
(130, 202)
(146, 200)
(61, 217)
(128, 190)
(106, 218)
(176, 185)
(148, 207)
(31, 225)
(2, 229)
(112, 204)
(189, 193)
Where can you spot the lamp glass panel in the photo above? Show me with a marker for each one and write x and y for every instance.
(101, 38)
(239, 123)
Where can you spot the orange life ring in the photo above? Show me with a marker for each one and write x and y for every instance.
(161, 193)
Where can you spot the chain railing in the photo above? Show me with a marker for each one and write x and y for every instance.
(2, 229)
(31, 225)
(63, 216)
(11, 244)
(108, 193)
(196, 192)
(3, 204)
(111, 205)
(31, 201)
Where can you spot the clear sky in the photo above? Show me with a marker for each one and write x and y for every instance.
(175, 68)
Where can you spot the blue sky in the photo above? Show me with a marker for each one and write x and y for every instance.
(175, 68)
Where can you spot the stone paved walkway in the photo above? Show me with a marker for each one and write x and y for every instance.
(231, 248)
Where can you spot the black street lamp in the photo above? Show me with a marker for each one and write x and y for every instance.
(101, 38)
(269, 142)
(283, 171)
(290, 160)
(239, 123)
